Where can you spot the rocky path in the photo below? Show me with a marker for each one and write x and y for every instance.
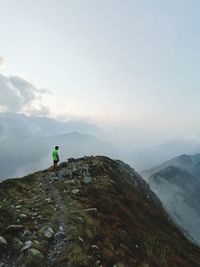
(59, 244)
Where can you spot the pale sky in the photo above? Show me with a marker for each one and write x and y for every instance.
(126, 65)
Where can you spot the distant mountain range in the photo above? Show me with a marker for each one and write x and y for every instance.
(26, 142)
(186, 162)
(177, 183)
(17, 126)
(147, 158)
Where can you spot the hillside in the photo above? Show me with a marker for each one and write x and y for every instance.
(179, 191)
(93, 211)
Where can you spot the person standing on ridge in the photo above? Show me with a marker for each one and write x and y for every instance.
(55, 158)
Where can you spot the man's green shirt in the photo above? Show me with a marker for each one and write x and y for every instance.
(55, 155)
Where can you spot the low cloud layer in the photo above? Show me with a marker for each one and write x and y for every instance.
(2, 62)
(18, 94)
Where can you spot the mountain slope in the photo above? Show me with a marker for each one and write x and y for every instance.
(93, 211)
(177, 184)
(179, 191)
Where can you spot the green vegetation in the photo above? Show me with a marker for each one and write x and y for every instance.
(157, 251)
(77, 257)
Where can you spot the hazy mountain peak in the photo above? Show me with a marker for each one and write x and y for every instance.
(184, 161)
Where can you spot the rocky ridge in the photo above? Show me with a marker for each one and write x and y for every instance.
(92, 211)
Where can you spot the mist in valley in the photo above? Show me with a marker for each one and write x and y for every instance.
(27, 142)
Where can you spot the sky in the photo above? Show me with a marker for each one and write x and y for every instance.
(129, 66)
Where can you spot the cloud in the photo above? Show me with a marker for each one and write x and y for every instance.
(17, 94)
(37, 110)
(2, 62)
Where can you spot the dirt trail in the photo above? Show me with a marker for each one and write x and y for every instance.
(59, 244)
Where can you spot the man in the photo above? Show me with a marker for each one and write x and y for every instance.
(55, 158)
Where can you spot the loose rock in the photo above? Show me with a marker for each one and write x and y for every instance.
(13, 229)
(87, 179)
(3, 241)
(91, 209)
(49, 232)
(72, 181)
(23, 216)
(36, 253)
(59, 235)
(27, 245)
(75, 191)
(26, 233)
(18, 207)
(48, 200)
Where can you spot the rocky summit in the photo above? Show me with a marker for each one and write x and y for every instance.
(92, 211)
